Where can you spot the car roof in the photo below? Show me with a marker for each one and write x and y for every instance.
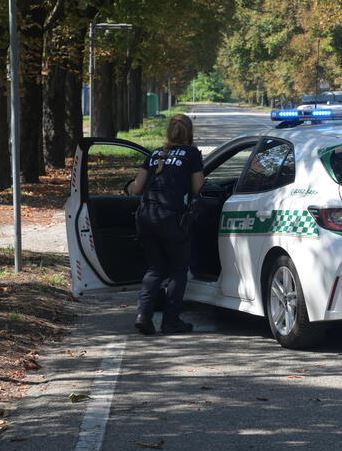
(307, 139)
(315, 136)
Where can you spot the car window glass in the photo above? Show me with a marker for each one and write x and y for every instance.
(272, 166)
(110, 167)
(336, 164)
(230, 169)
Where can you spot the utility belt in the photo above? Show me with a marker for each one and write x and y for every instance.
(185, 217)
(154, 204)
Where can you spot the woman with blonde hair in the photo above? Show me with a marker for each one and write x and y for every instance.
(168, 179)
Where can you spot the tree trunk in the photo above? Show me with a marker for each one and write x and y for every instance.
(54, 116)
(122, 100)
(103, 108)
(135, 98)
(73, 112)
(164, 100)
(73, 91)
(115, 104)
(125, 107)
(31, 89)
(119, 103)
(5, 166)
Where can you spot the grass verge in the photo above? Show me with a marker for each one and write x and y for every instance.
(151, 134)
(35, 308)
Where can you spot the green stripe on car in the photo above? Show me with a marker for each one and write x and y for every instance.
(289, 222)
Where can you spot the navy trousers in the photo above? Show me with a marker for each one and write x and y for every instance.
(167, 249)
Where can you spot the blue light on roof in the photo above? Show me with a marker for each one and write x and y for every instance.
(321, 113)
(280, 115)
(301, 115)
(288, 113)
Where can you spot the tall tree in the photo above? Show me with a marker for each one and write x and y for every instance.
(281, 50)
(166, 40)
(5, 169)
(64, 55)
(35, 16)
(31, 39)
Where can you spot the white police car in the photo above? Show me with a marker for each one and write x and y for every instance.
(267, 242)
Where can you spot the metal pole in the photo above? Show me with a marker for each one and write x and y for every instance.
(15, 133)
(193, 90)
(91, 78)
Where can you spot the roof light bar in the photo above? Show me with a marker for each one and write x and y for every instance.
(305, 115)
(321, 113)
(284, 114)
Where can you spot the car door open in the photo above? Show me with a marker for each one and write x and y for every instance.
(103, 246)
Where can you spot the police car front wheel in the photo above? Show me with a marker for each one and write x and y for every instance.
(286, 309)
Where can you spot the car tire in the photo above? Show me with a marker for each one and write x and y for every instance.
(286, 309)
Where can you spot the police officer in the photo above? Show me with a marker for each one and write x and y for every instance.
(167, 180)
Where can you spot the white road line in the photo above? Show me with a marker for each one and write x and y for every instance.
(206, 149)
(95, 419)
(231, 113)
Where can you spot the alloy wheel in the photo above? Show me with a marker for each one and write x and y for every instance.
(284, 300)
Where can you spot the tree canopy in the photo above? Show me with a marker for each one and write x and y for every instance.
(257, 50)
(281, 50)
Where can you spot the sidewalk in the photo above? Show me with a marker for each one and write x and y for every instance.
(39, 238)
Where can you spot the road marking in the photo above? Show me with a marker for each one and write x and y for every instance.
(206, 149)
(95, 419)
(230, 113)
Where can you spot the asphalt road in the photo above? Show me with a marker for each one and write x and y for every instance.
(216, 124)
(227, 386)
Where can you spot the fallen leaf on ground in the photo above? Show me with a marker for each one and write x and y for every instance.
(78, 397)
(75, 354)
(3, 425)
(18, 374)
(158, 445)
(123, 305)
(294, 376)
(71, 298)
(30, 364)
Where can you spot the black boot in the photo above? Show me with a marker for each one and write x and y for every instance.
(175, 326)
(144, 325)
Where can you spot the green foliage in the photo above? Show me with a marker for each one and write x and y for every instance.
(275, 51)
(207, 87)
(152, 133)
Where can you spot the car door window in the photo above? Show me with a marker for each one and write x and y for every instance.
(110, 167)
(272, 166)
(230, 169)
(106, 222)
(219, 184)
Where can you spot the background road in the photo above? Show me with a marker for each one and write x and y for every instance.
(227, 386)
(215, 124)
